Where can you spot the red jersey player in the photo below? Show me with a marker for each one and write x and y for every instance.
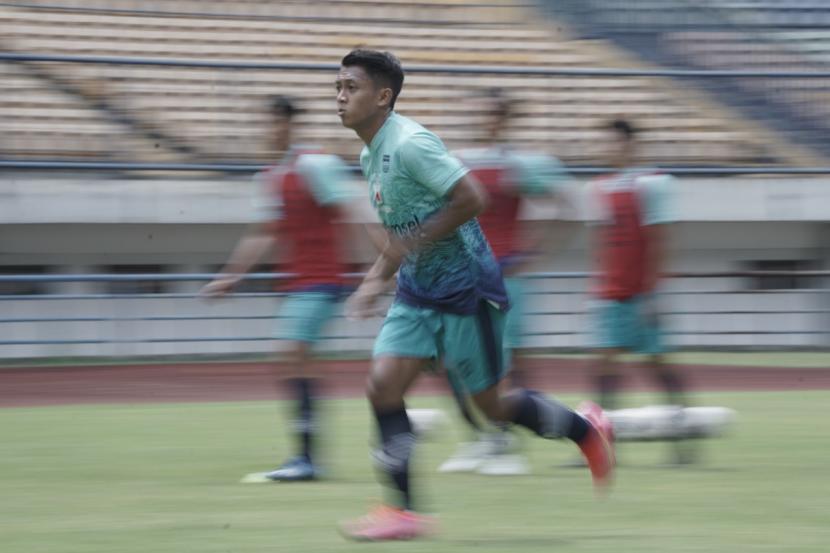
(511, 178)
(632, 211)
(303, 198)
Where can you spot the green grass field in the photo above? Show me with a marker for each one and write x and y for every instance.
(164, 478)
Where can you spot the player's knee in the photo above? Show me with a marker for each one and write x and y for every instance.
(296, 357)
(494, 408)
(382, 393)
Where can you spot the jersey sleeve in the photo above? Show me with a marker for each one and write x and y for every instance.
(539, 174)
(425, 159)
(266, 203)
(657, 199)
(327, 177)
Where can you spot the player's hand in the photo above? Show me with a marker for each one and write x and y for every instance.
(219, 287)
(362, 304)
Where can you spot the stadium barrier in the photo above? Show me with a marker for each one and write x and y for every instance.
(702, 310)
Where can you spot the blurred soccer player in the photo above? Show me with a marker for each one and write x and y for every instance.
(510, 177)
(450, 300)
(304, 197)
(632, 212)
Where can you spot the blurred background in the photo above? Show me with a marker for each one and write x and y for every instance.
(130, 131)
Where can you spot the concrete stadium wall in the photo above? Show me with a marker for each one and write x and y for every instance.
(69, 241)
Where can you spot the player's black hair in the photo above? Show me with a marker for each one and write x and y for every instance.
(498, 97)
(284, 106)
(623, 127)
(382, 67)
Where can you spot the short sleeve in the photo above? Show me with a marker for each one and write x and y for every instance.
(266, 202)
(539, 174)
(327, 177)
(426, 160)
(657, 199)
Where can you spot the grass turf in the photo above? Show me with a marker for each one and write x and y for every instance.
(164, 478)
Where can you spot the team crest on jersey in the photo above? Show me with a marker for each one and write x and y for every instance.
(377, 197)
(385, 162)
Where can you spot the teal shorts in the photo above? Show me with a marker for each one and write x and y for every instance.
(513, 329)
(624, 325)
(470, 347)
(302, 316)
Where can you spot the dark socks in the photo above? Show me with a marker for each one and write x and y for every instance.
(673, 385)
(302, 390)
(392, 457)
(549, 418)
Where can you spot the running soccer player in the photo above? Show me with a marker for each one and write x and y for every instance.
(450, 300)
(510, 178)
(632, 213)
(304, 197)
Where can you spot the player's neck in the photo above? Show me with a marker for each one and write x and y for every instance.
(368, 133)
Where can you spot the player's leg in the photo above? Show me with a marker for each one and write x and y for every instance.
(404, 347)
(550, 419)
(470, 454)
(474, 350)
(683, 451)
(492, 448)
(652, 344)
(495, 448)
(388, 383)
(506, 457)
(301, 320)
(613, 334)
(672, 383)
(669, 379)
(648, 340)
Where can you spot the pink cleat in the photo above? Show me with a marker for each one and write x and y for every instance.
(598, 445)
(385, 523)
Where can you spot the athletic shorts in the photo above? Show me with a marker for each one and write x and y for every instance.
(625, 325)
(514, 329)
(302, 316)
(469, 347)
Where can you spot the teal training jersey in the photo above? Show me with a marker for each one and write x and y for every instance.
(410, 173)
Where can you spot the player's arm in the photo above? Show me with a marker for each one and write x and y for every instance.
(656, 254)
(658, 218)
(258, 240)
(426, 160)
(465, 200)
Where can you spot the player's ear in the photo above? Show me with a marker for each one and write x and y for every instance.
(385, 97)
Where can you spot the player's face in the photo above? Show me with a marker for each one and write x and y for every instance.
(492, 117)
(281, 132)
(619, 149)
(359, 100)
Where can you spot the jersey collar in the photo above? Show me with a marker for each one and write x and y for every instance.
(382, 131)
